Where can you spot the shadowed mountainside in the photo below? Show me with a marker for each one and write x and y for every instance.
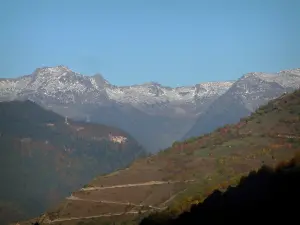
(43, 157)
(267, 195)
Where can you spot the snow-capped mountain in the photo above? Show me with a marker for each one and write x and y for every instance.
(154, 114)
(65, 86)
(57, 83)
(155, 99)
(243, 97)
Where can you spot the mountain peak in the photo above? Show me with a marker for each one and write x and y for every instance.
(58, 68)
(51, 71)
(99, 81)
(152, 83)
(291, 71)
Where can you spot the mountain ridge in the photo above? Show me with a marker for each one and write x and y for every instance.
(154, 114)
(93, 83)
(98, 82)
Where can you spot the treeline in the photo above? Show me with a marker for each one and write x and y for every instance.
(268, 195)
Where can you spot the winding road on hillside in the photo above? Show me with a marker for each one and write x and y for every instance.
(135, 185)
(288, 136)
(74, 198)
(149, 183)
(91, 217)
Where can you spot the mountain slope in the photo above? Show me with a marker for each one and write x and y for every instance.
(243, 97)
(171, 179)
(45, 157)
(267, 195)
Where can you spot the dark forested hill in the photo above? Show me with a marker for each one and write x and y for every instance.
(44, 157)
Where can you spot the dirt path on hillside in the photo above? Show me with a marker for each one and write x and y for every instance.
(74, 198)
(278, 136)
(91, 217)
(135, 185)
(172, 197)
(288, 136)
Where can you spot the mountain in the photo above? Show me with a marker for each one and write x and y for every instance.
(186, 173)
(154, 114)
(243, 97)
(44, 157)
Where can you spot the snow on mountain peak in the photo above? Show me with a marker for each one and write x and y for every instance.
(63, 84)
(152, 92)
(295, 71)
(53, 71)
(285, 78)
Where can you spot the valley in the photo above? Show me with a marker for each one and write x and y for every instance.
(186, 173)
(149, 112)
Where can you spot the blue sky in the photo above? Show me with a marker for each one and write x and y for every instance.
(134, 41)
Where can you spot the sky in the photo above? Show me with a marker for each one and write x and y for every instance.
(173, 42)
